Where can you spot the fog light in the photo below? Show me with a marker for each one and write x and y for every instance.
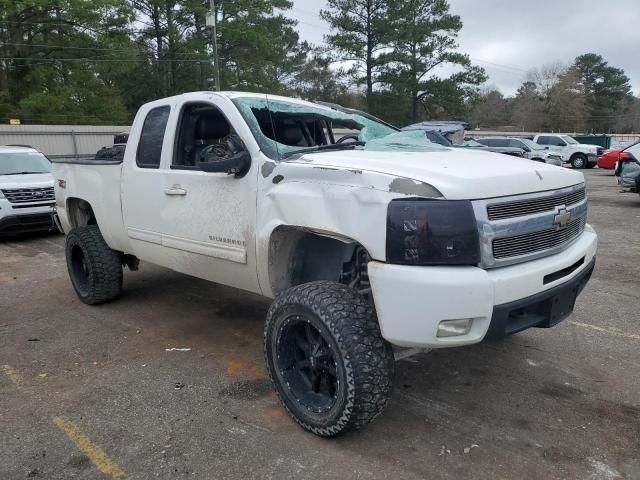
(454, 328)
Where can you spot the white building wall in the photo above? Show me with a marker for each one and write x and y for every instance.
(56, 141)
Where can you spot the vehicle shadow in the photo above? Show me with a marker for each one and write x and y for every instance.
(29, 236)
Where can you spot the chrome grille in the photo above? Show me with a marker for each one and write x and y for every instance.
(520, 208)
(26, 195)
(537, 241)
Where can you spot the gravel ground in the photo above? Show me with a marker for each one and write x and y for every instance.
(92, 392)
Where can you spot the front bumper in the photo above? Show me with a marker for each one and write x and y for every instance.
(411, 302)
(592, 159)
(26, 223)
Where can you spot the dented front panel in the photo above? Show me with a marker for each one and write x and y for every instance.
(344, 203)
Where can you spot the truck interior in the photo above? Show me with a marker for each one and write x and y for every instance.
(201, 126)
(294, 129)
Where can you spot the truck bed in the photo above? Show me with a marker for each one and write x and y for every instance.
(95, 182)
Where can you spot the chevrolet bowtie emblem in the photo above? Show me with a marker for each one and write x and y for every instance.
(562, 218)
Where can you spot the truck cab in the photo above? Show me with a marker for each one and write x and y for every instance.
(366, 238)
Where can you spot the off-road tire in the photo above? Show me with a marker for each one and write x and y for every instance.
(364, 360)
(579, 161)
(95, 270)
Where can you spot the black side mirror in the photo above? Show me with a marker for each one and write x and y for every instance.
(236, 165)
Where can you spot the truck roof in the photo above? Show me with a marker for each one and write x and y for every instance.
(232, 95)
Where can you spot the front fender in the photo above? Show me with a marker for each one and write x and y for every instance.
(348, 205)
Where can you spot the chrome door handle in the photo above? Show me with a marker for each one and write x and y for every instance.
(175, 191)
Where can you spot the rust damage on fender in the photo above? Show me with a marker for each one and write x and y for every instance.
(267, 168)
(407, 186)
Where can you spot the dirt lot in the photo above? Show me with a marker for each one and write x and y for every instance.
(92, 392)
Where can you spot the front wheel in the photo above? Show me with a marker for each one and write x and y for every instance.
(579, 161)
(331, 367)
(95, 269)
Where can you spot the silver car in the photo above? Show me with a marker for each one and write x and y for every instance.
(532, 150)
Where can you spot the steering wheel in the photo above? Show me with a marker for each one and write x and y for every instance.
(217, 150)
(350, 136)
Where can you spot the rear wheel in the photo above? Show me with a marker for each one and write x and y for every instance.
(95, 269)
(579, 161)
(331, 367)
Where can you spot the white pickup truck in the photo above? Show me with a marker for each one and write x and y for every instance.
(373, 239)
(579, 155)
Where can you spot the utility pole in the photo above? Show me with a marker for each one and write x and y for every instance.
(211, 22)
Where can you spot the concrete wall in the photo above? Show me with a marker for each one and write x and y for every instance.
(60, 141)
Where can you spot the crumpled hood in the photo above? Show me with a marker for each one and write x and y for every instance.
(32, 180)
(457, 173)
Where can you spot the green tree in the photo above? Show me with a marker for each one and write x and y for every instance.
(527, 109)
(491, 109)
(424, 40)
(258, 49)
(317, 81)
(566, 105)
(605, 87)
(50, 49)
(360, 32)
(629, 120)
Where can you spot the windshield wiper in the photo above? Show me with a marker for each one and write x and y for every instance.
(322, 148)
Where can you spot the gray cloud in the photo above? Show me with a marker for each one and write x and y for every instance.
(508, 38)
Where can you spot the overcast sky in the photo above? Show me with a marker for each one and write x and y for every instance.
(509, 37)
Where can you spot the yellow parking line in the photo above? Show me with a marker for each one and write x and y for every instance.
(10, 372)
(631, 336)
(98, 456)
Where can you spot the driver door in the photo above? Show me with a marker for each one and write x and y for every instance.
(209, 218)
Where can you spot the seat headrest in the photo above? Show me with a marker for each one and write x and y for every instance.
(211, 127)
(290, 134)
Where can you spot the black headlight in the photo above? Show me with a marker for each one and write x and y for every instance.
(432, 232)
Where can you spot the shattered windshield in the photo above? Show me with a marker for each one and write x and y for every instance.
(405, 141)
(285, 129)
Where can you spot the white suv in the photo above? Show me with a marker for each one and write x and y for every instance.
(26, 190)
(579, 155)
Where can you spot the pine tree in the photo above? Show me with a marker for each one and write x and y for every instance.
(605, 87)
(360, 32)
(424, 40)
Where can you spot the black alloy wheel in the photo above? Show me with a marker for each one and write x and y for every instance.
(330, 365)
(306, 362)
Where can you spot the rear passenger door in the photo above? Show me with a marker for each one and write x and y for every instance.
(143, 182)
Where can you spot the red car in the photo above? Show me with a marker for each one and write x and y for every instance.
(609, 158)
